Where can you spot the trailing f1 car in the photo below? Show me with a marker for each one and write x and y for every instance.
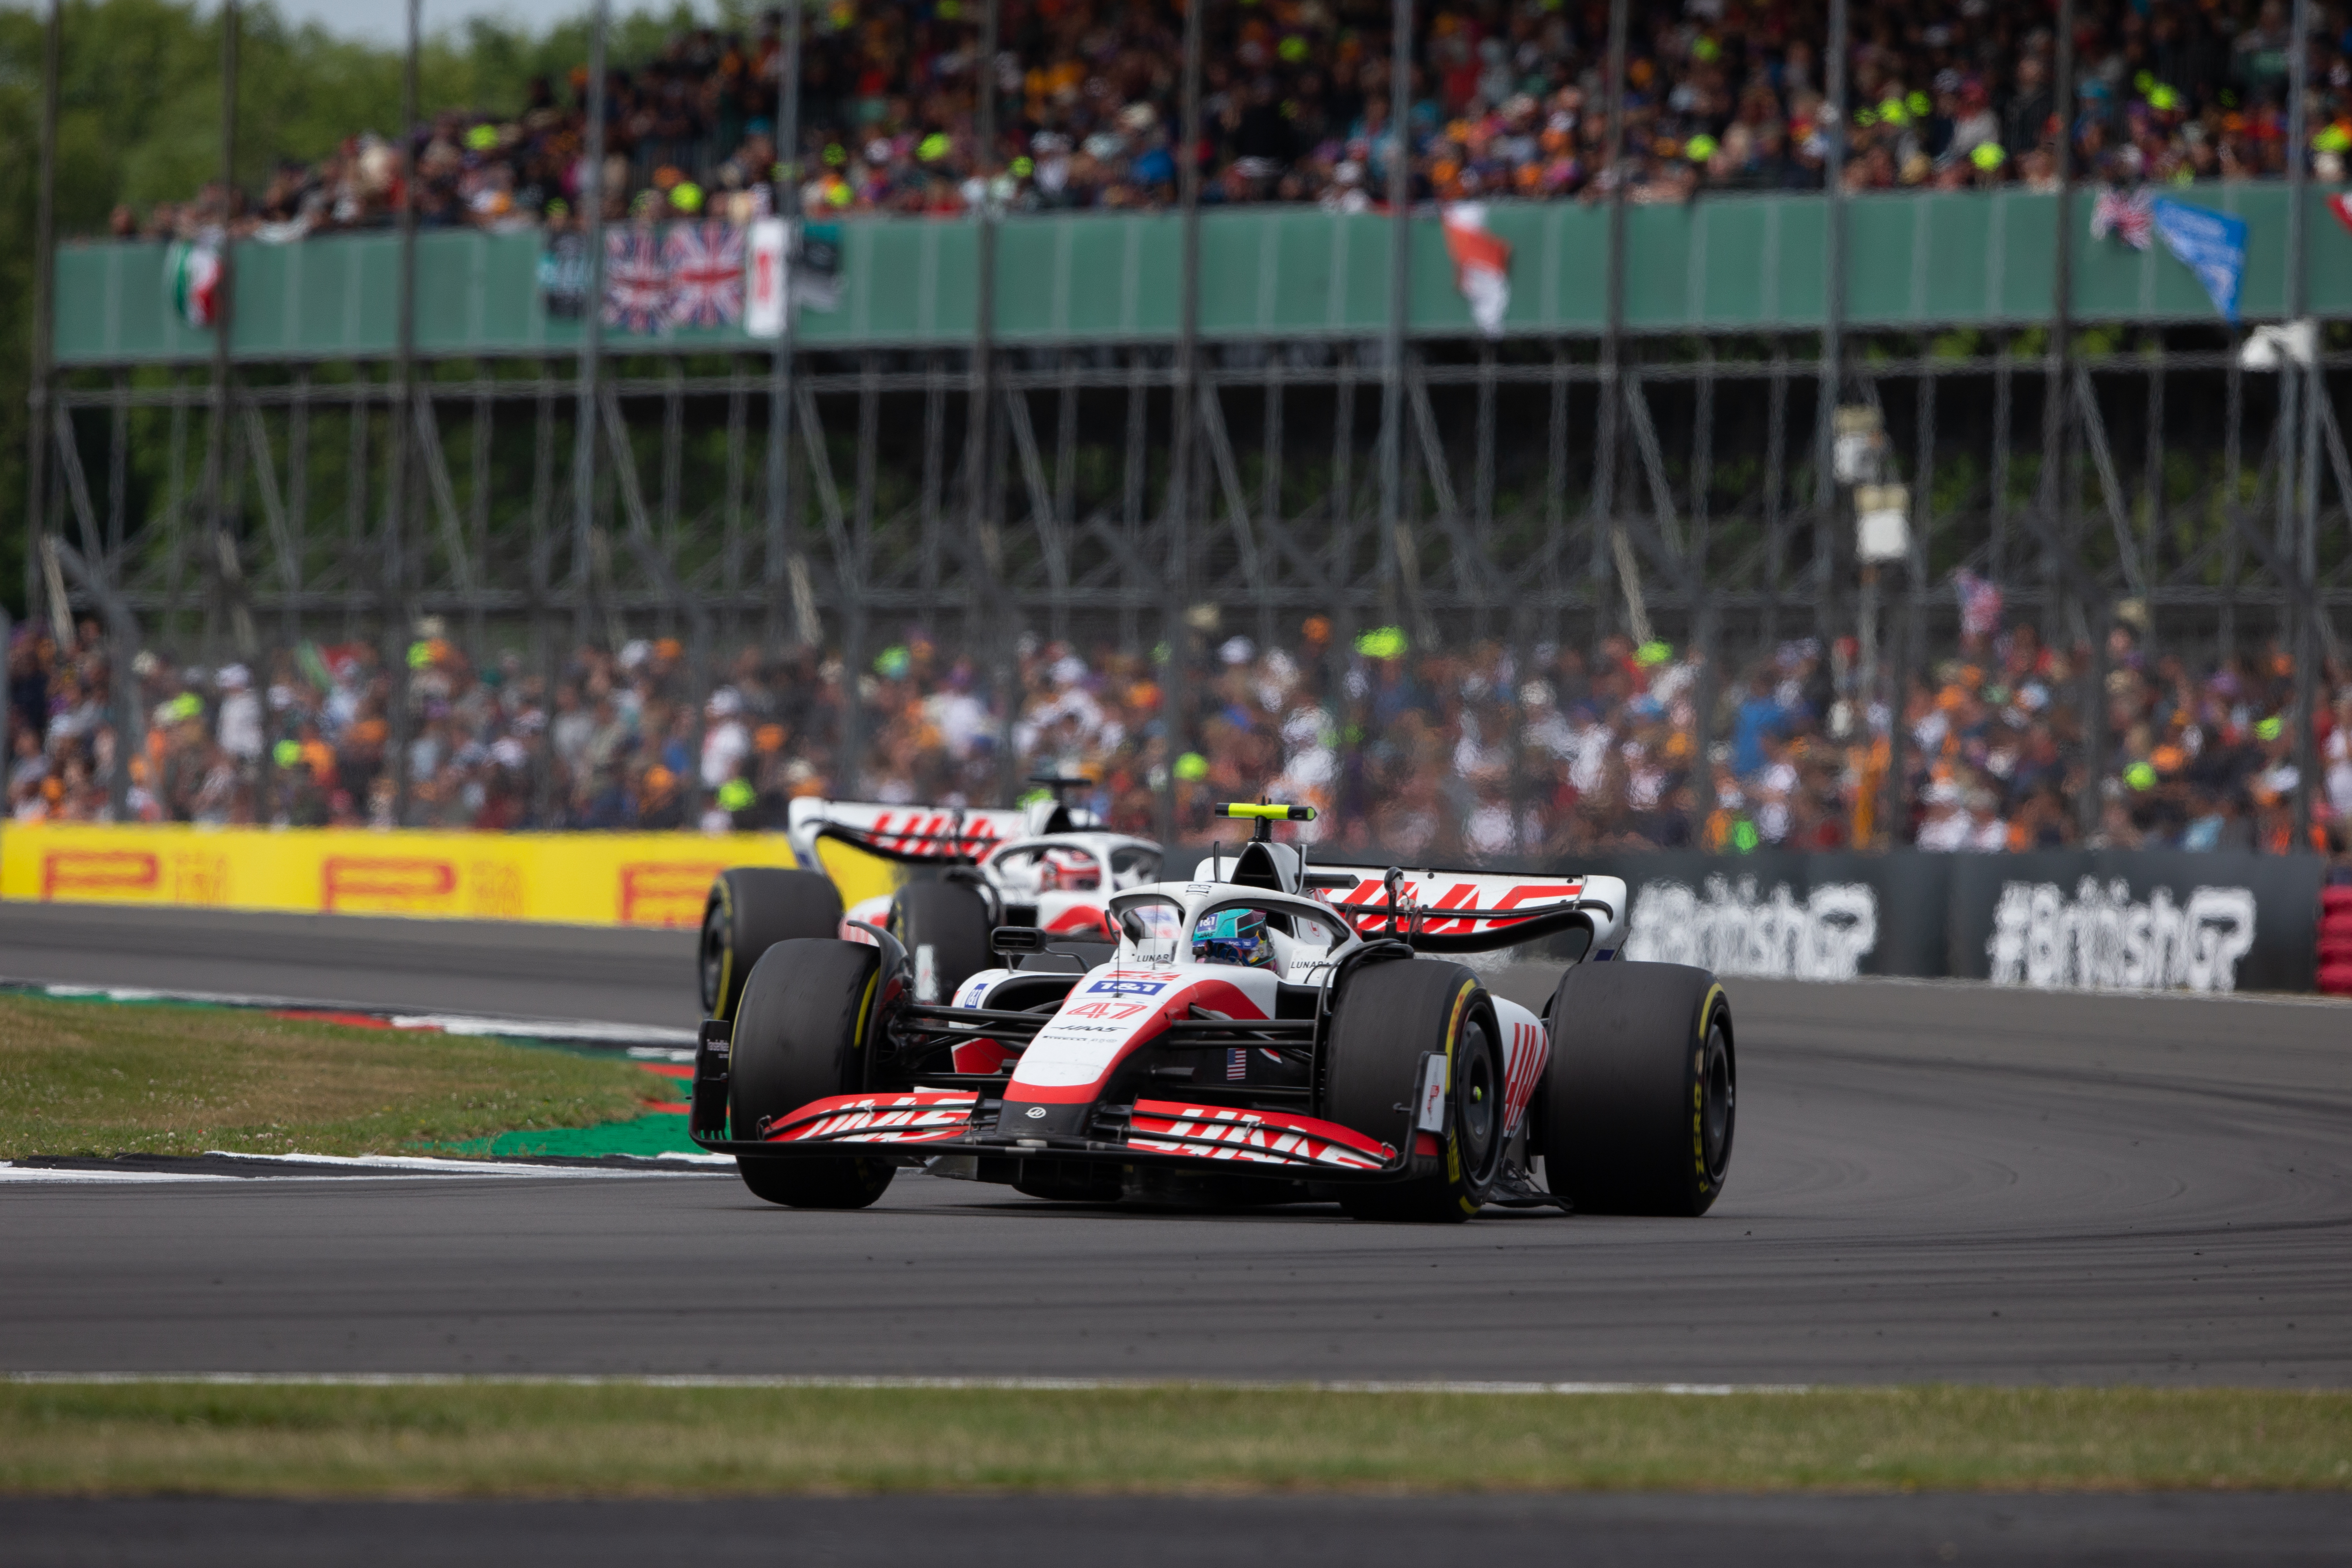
(1265, 1031)
(1046, 864)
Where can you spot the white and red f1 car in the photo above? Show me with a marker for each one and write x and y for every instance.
(1047, 865)
(1265, 1031)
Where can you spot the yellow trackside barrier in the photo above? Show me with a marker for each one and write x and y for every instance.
(590, 878)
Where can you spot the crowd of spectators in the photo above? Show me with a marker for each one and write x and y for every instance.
(1430, 755)
(1508, 99)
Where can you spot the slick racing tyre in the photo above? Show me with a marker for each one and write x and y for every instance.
(1389, 1016)
(751, 909)
(799, 1035)
(945, 928)
(1638, 1104)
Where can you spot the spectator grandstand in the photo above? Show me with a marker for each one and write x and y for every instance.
(1507, 101)
(1468, 753)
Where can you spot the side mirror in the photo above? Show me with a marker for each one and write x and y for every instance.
(1132, 925)
(1017, 939)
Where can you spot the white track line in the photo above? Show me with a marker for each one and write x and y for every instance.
(584, 1031)
(382, 1167)
(1001, 1385)
(15, 1174)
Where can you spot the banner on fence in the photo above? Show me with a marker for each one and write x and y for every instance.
(590, 878)
(2138, 920)
(2055, 919)
(1786, 916)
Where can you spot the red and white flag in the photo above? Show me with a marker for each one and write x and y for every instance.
(763, 284)
(1481, 265)
(2341, 205)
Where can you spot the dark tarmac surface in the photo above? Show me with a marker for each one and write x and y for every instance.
(424, 966)
(1929, 1182)
(1599, 1531)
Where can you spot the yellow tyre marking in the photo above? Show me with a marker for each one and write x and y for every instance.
(726, 947)
(1698, 1089)
(1452, 1034)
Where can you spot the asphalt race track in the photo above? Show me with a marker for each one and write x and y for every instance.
(429, 966)
(2177, 1531)
(1930, 1182)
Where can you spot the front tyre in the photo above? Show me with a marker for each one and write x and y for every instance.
(1642, 1094)
(945, 928)
(1389, 1018)
(800, 1036)
(751, 909)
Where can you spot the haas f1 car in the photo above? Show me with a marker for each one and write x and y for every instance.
(1046, 865)
(1263, 1032)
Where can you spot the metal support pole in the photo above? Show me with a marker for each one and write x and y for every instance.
(2056, 421)
(1606, 531)
(2305, 589)
(591, 333)
(854, 574)
(1185, 398)
(396, 617)
(985, 528)
(223, 321)
(778, 554)
(1829, 386)
(36, 428)
(1393, 543)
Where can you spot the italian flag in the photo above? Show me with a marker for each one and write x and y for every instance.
(192, 276)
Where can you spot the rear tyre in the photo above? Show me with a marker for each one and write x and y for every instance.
(1389, 1018)
(1642, 1094)
(950, 920)
(751, 909)
(799, 1035)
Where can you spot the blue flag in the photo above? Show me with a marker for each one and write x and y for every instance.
(2209, 244)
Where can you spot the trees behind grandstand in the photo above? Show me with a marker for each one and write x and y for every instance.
(139, 122)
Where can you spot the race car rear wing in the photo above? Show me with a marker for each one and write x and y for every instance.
(940, 836)
(930, 834)
(1473, 911)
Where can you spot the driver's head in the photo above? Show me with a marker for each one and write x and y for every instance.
(1232, 936)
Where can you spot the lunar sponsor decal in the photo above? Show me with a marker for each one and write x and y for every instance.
(1729, 929)
(2104, 940)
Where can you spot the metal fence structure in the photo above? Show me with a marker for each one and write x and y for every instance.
(1093, 425)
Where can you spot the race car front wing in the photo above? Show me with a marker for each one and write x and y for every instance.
(926, 1121)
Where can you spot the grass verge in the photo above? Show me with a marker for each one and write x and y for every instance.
(95, 1077)
(632, 1439)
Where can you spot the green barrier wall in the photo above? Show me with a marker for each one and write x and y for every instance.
(1727, 263)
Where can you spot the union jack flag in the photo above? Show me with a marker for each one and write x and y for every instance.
(637, 284)
(2130, 218)
(705, 274)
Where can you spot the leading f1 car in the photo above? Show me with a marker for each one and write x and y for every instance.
(1265, 1031)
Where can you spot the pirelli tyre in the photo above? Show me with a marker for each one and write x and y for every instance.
(751, 909)
(799, 1035)
(945, 928)
(1388, 1020)
(1641, 1098)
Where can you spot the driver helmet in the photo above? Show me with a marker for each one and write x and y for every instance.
(1234, 936)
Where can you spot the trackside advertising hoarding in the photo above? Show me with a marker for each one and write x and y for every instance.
(2058, 920)
(2053, 919)
(587, 878)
